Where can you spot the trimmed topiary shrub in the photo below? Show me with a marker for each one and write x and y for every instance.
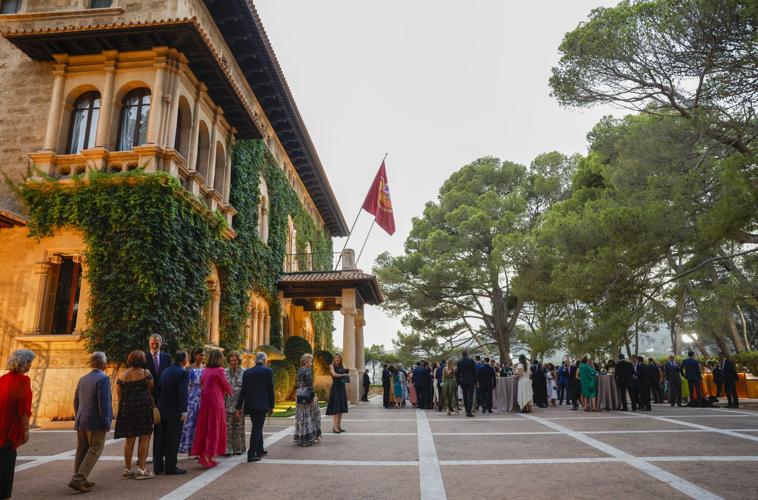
(291, 374)
(321, 362)
(296, 347)
(281, 382)
(272, 352)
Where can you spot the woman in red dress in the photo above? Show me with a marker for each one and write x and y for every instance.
(210, 430)
(15, 410)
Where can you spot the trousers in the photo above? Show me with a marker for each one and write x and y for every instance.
(675, 391)
(468, 397)
(258, 417)
(89, 446)
(7, 469)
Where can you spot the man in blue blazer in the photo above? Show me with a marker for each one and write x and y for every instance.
(466, 377)
(172, 403)
(92, 405)
(257, 396)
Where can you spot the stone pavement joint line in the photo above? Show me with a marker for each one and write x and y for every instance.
(66, 455)
(705, 428)
(429, 474)
(676, 482)
(193, 486)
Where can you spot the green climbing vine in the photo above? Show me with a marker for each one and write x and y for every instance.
(149, 246)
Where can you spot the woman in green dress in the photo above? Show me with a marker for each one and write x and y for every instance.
(588, 379)
(449, 387)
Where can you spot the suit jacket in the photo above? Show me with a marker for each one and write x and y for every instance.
(385, 378)
(257, 391)
(172, 392)
(164, 361)
(643, 374)
(366, 379)
(729, 371)
(92, 402)
(572, 375)
(691, 369)
(672, 372)
(487, 378)
(421, 376)
(624, 372)
(466, 371)
(654, 373)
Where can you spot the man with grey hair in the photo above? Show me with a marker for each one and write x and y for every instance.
(257, 396)
(92, 405)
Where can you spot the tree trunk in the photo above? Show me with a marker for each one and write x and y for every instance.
(502, 333)
(739, 344)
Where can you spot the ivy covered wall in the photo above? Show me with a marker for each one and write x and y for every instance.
(150, 248)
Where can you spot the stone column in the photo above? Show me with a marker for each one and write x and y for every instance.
(348, 342)
(212, 152)
(192, 160)
(360, 362)
(228, 170)
(171, 121)
(103, 137)
(267, 329)
(56, 103)
(253, 329)
(155, 117)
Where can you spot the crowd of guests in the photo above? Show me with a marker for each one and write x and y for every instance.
(183, 404)
(446, 384)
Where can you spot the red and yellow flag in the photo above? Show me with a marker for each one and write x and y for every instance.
(378, 201)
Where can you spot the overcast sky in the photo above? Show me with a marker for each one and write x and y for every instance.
(434, 83)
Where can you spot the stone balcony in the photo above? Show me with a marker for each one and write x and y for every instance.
(148, 157)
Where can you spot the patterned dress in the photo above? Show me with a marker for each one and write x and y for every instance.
(193, 403)
(308, 415)
(235, 428)
(135, 409)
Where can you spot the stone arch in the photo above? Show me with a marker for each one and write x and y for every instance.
(183, 128)
(219, 177)
(203, 150)
(263, 210)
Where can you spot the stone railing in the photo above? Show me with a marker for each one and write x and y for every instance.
(148, 157)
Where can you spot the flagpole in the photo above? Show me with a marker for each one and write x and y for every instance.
(364, 242)
(336, 266)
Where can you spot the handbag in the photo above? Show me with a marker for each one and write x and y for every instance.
(304, 395)
(156, 415)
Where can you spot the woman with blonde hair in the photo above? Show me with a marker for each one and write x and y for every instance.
(235, 427)
(449, 386)
(337, 395)
(307, 413)
(210, 432)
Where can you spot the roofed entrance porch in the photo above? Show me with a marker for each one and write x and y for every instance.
(347, 290)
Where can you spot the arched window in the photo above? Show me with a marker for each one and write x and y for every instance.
(83, 125)
(132, 129)
(183, 128)
(203, 151)
(219, 180)
(263, 209)
(9, 6)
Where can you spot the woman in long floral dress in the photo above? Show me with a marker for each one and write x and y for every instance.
(307, 415)
(193, 400)
(235, 427)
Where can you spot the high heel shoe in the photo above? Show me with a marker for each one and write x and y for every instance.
(341, 429)
(335, 430)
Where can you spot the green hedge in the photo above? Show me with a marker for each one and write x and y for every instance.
(294, 348)
(282, 383)
(748, 359)
(321, 362)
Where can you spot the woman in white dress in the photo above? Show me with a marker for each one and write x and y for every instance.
(525, 394)
(550, 381)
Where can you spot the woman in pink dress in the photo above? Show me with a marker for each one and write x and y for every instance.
(210, 430)
(411, 389)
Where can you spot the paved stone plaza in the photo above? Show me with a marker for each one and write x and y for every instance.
(667, 453)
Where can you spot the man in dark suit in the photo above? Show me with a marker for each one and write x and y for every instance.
(257, 396)
(466, 378)
(674, 380)
(643, 384)
(624, 375)
(729, 379)
(92, 406)
(385, 386)
(438, 380)
(366, 385)
(172, 403)
(654, 370)
(573, 385)
(157, 361)
(486, 379)
(420, 381)
(691, 370)
(477, 396)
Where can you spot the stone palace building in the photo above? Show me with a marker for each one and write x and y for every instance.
(171, 88)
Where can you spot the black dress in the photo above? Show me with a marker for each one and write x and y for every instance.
(135, 409)
(338, 395)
